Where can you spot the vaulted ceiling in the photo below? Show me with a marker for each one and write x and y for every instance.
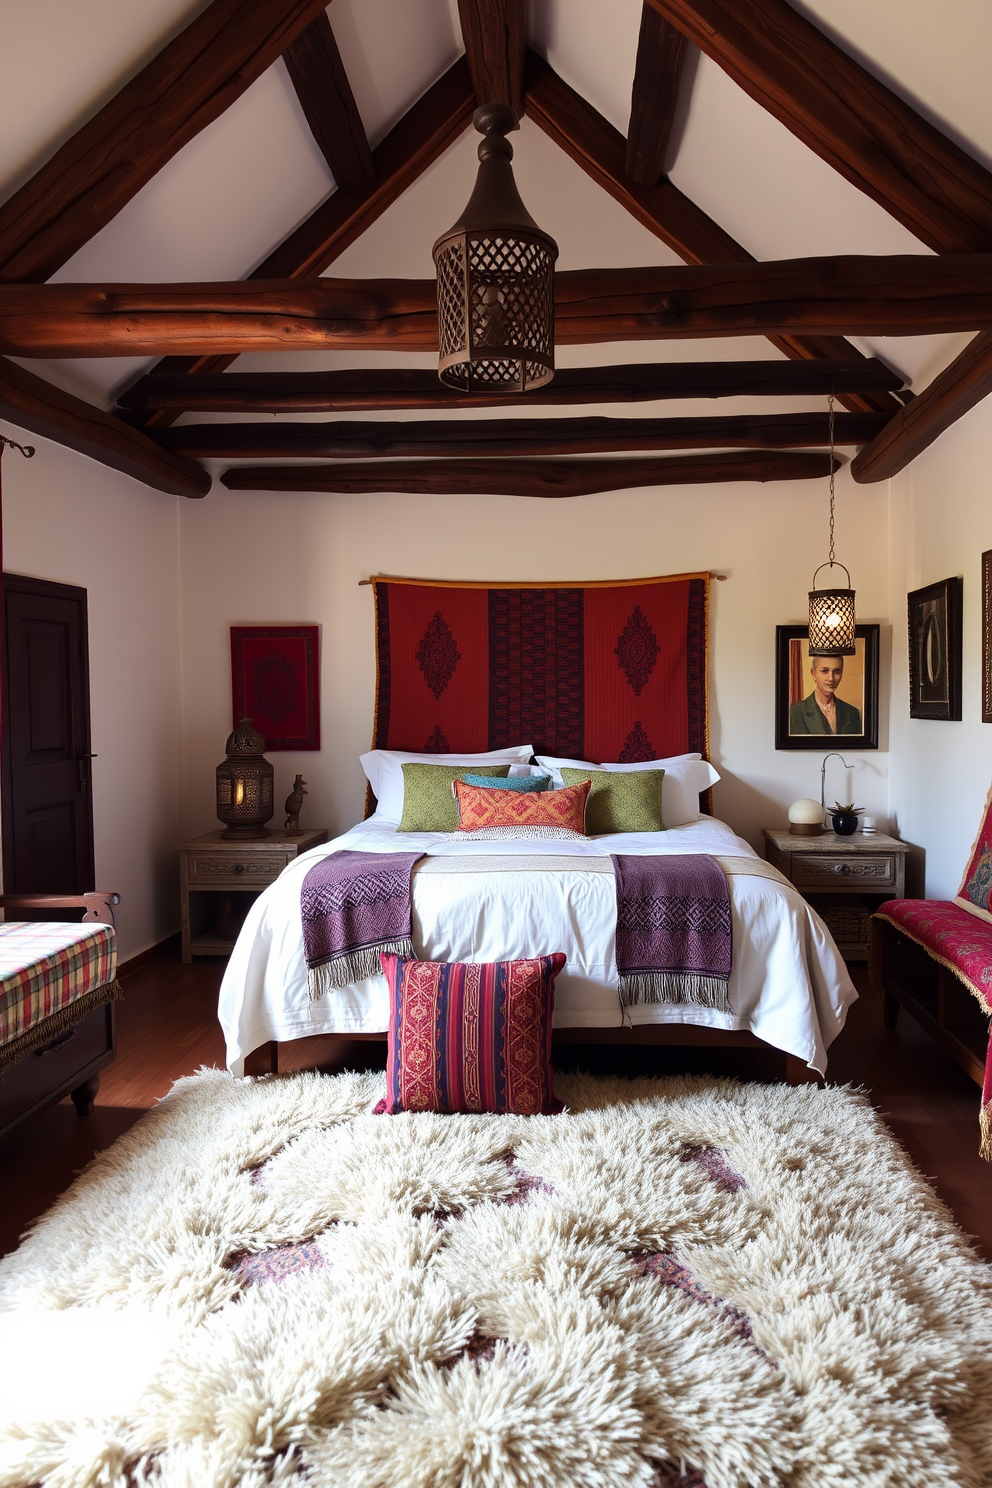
(155, 156)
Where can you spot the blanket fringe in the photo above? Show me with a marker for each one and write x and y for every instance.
(354, 966)
(63, 1020)
(674, 986)
(985, 1127)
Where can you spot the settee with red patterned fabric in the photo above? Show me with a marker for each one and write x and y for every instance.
(934, 958)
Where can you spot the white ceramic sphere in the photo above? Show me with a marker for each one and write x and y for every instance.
(805, 812)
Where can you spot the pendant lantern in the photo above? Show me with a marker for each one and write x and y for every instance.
(495, 278)
(832, 618)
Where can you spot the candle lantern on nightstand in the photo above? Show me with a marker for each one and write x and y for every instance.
(244, 785)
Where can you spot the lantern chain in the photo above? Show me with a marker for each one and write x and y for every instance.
(830, 405)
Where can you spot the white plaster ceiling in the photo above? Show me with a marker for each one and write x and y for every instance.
(233, 193)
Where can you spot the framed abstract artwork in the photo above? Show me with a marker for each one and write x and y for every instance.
(822, 697)
(275, 683)
(935, 650)
(987, 637)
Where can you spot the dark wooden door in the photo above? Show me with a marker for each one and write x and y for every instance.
(47, 794)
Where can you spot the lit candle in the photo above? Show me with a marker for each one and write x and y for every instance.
(239, 793)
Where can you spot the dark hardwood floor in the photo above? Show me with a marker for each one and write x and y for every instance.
(167, 1027)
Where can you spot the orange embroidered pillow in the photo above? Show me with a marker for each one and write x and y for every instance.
(499, 813)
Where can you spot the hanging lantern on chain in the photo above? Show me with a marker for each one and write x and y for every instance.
(495, 278)
(832, 618)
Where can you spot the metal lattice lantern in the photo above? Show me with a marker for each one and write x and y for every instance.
(495, 278)
(244, 785)
(832, 617)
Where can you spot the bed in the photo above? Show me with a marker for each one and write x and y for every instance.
(608, 672)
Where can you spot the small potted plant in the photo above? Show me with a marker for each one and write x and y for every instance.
(845, 819)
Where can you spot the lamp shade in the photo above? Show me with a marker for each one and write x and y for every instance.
(832, 619)
(244, 785)
(495, 278)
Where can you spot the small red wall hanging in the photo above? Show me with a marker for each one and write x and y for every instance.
(275, 683)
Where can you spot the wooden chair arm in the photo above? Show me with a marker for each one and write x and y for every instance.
(98, 904)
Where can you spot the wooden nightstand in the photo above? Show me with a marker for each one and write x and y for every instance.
(844, 878)
(218, 880)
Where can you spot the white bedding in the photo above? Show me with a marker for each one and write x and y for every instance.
(789, 985)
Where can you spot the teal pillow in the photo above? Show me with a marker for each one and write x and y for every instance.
(512, 782)
(429, 803)
(620, 800)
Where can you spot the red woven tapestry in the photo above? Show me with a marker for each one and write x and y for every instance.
(593, 671)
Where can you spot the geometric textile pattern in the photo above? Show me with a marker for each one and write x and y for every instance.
(46, 967)
(581, 671)
(351, 905)
(637, 650)
(470, 1036)
(274, 679)
(478, 807)
(674, 929)
(437, 654)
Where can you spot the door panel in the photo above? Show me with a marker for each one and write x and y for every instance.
(47, 807)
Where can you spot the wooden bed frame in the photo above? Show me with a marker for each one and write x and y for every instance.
(265, 1059)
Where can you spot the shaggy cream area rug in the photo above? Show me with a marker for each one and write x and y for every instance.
(679, 1281)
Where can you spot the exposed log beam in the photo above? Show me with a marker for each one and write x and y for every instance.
(327, 392)
(952, 393)
(527, 477)
(657, 76)
(593, 143)
(527, 436)
(34, 404)
(325, 95)
(495, 36)
(426, 130)
(884, 296)
(849, 118)
(188, 85)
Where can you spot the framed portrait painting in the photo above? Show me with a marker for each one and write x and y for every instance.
(935, 650)
(275, 683)
(820, 698)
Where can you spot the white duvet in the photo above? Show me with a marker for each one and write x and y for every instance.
(789, 985)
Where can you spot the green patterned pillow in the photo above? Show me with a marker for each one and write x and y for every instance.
(429, 804)
(620, 800)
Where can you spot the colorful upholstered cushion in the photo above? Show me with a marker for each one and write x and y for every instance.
(512, 782)
(470, 1037)
(627, 802)
(961, 942)
(45, 966)
(428, 805)
(973, 894)
(481, 809)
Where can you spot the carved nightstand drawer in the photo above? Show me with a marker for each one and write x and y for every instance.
(215, 868)
(876, 871)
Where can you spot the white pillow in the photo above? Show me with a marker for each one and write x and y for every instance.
(384, 771)
(685, 776)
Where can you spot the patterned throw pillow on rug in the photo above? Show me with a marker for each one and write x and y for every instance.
(470, 1037)
(561, 812)
(628, 802)
(428, 805)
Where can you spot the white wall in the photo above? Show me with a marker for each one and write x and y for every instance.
(268, 558)
(69, 519)
(941, 516)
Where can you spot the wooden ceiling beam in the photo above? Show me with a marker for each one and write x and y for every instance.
(401, 387)
(593, 143)
(95, 173)
(846, 115)
(654, 98)
(322, 86)
(953, 392)
(875, 296)
(555, 478)
(527, 436)
(34, 404)
(495, 36)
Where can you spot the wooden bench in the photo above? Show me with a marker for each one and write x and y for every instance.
(934, 959)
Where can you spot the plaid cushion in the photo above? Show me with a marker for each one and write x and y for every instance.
(45, 966)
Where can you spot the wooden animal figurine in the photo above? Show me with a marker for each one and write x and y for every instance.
(294, 805)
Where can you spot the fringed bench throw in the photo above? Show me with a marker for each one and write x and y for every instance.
(674, 941)
(51, 975)
(354, 905)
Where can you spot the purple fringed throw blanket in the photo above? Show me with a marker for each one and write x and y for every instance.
(354, 905)
(673, 930)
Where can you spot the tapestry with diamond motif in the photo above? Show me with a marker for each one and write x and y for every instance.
(604, 672)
